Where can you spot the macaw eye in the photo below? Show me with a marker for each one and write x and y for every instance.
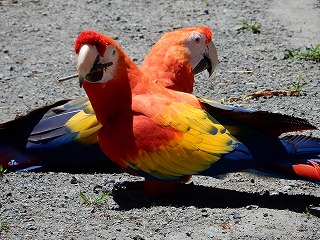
(111, 52)
(197, 39)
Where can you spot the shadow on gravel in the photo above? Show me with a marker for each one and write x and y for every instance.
(106, 166)
(201, 196)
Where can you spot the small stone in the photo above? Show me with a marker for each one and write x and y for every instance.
(74, 180)
(26, 74)
(31, 227)
(205, 214)
(138, 237)
(286, 188)
(252, 207)
(236, 221)
(236, 215)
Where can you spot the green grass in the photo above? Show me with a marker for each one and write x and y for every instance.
(252, 26)
(311, 53)
(307, 212)
(206, 2)
(2, 171)
(298, 85)
(98, 200)
(3, 226)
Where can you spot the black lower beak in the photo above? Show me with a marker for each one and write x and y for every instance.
(204, 64)
(96, 72)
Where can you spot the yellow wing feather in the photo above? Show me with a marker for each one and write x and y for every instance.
(198, 144)
(86, 124)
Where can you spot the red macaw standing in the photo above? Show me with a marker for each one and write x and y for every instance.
(166, 136)
(65, 133)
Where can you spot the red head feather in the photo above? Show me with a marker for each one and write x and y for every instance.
(206, 31)
(93, 38)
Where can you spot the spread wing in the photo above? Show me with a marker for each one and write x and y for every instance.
(175, 139)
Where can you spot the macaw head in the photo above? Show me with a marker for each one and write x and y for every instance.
(202, 58)
(99, 57)
(188, 44)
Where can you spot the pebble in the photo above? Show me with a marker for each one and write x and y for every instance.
(27, 74)
(252, 207)
(74, 180)
(138, 237)
(31, 227)
(286, 188)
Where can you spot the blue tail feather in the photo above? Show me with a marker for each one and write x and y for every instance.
(302, 145)
(300, 161)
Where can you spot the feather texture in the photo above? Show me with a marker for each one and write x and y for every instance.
(166, 135)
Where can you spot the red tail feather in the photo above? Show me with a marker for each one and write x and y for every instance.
(309, 171)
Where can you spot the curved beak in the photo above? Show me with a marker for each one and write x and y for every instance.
(86, 60)
(209, 60)
(88, 66)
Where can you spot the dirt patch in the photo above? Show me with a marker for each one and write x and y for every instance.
(301, 18)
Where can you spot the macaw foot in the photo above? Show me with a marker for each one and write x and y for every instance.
(155, 189)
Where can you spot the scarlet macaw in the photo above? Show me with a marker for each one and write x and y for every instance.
(166, 136)
(65, 133)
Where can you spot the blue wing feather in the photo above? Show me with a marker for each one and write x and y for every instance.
(43, 138)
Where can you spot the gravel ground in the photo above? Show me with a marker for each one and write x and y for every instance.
(36, 46)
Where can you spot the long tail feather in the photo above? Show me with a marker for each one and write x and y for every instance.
(303, 145)
(300, 159)
(303, 161)
(11, 158)
(263, 121)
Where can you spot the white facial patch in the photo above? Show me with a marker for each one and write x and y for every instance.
(196, 43)
(111, 55)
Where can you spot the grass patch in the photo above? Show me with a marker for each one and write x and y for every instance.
(311, 53)
(252, 26)
(297, 89)
(298, 85)
(98, 200)
(308, 214)
(2, 171)
(206, 2)
(3, 226)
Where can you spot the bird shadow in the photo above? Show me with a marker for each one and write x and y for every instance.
(132, 196)
(105, 166)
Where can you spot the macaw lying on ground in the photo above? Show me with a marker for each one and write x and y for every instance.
(167, 136)
(65, 133)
